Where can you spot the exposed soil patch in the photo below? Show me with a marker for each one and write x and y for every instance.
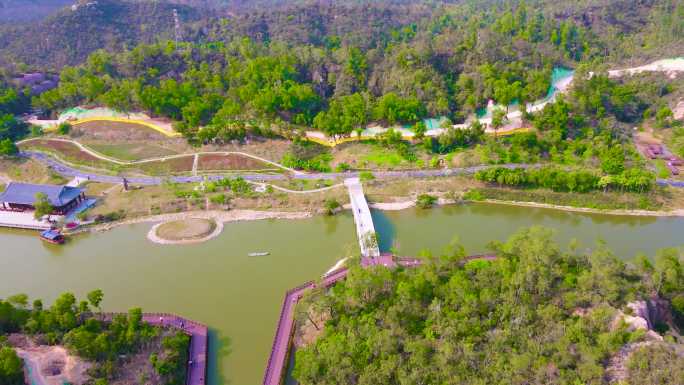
(271, 149)
(50, 365)
(173, 165)
(109, 130)
(679, 110)
(209, 162)
(307, 332)
(188, 229)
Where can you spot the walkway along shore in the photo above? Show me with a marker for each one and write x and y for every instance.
(280, 349)
(70, 172)
(199, 341)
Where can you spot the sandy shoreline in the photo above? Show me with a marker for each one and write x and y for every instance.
(220, 217)
(641, 213)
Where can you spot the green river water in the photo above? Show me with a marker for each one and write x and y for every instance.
(239, 297)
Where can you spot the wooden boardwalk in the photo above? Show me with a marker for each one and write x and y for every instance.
(286, 324)
(285, 330)
(199, 341)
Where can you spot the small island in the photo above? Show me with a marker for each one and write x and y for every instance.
(189, 230)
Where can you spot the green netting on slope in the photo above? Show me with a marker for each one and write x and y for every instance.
(82, 113)
(434, 123)
(558, 75)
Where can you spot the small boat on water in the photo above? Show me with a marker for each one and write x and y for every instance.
(52, 236)
(260, 254)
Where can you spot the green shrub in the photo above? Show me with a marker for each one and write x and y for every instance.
(366, 176)
(64, 128)
(342, 167)
(331, 205)
(473, 195)
(220, 199)
(425, 201)
(110, 217)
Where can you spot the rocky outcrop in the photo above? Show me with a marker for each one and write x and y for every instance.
(645, 315)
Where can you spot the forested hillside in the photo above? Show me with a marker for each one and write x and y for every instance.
(534, 315)
(623, 29)
(68, 36)
(16, 11)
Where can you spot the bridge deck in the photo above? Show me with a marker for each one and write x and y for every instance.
(362, 218)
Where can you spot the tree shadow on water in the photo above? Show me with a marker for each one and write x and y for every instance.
(385, 230)
(220, 347)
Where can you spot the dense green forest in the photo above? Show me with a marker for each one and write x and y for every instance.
(537, 314)
(420, 61)
(337, 66)
(73, 324)
(12, 103)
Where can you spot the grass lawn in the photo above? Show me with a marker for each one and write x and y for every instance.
(29, 171)
(383, 157)
(661, 169)
(130, 151)
(187, 229)
(96, 188)
(656, 200)
(363, 155)
(66, 151)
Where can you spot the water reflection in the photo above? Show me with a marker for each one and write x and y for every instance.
(385, 230)
(220, 347)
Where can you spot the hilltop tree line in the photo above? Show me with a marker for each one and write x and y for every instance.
(72, 323)
(12, 102)
(558, 179)
(448, 64)
(535, 314)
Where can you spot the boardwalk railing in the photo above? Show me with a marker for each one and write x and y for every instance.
(199, 339)
(285, 330)
(24, 226)
(365, 230)
(286, 322)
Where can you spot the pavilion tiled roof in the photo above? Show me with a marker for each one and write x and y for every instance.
(25, 193)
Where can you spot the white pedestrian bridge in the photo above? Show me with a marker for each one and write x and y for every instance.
(365, 230)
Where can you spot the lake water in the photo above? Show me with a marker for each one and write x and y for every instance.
(239, 297)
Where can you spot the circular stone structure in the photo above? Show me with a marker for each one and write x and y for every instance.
(183, 231)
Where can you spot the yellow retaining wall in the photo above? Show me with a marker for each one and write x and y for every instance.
(124, 120)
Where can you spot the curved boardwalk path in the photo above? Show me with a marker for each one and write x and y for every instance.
(199, 338)
(285, 329)
(286, 323)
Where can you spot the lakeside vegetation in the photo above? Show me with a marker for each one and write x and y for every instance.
(538, 313)
(238, 82)
(109, 345)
